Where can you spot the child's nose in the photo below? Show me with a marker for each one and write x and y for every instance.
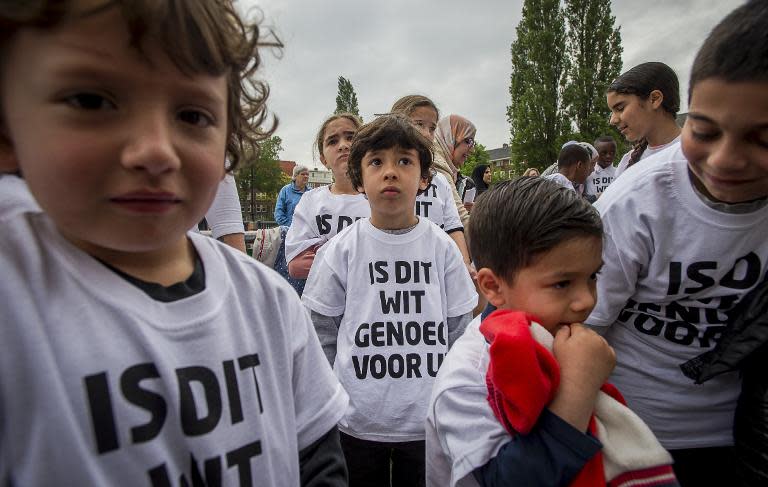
(584, 301)
(150, 146)
(727, 155)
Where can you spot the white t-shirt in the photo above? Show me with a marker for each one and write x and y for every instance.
(102, 385)
(396, 293)
(561, 180)
(15, 195)
(436, 203)
(673, 267)
(599, 180)
(462, 433)
(320, 215)
(225, 216)
(648, 152)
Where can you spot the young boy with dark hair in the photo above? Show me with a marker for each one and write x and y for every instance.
(686, 242)
(604, 171)
(521, 398)
(388, 296)
(573, 166)
(134, 352)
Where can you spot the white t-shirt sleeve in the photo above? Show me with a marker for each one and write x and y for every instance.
(622, 263)
(326, 288)
(319, 398)
(225, 215)
(302, 234)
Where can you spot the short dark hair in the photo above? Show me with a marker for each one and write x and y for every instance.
(646, 77)
(516, 221)
(736, 49)
(605, 139)
(385, 132)
(572, 154)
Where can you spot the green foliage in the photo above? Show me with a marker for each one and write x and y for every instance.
(539, 74)
(594, 47)
(260, 174)
(346, 99)
(559, 78)
(479, 155)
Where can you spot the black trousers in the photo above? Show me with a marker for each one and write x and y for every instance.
(704, 467)
(384, 464)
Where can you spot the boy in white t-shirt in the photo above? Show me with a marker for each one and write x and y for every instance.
(686, 242)
(573, 166)
(388, 297)
(134, 352)
(521, 398)
(605, 171)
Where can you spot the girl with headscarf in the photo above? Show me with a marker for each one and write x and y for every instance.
(481, 176)
(454, 139)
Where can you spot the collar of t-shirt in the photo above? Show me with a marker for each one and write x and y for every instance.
(194, 284)
(399, 231)
(732, 208)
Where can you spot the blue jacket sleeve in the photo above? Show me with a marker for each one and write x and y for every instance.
(280, 215)
(550, 455)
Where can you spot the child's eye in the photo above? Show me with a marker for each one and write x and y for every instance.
(561, 284)
(196, 118)
(405, 161)
(418, 123)
(374, 162)
(90, 101)
(331, 141)
(704, 136)
(593, 277)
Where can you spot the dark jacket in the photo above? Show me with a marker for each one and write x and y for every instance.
(744, 347)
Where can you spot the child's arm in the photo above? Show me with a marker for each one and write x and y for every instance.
(299, 266)
(627, 251)
(456, 327)
(552, 453)
(461, 242)
(586, 360)
(322, 463)
(327, 329)
(225, 215)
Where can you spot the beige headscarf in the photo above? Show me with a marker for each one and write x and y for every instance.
(451, 129)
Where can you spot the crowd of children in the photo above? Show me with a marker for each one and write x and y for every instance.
(136, 352)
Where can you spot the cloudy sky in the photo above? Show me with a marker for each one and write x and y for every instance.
(455, 52)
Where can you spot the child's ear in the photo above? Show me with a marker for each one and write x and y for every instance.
(656, 98)
(491, 286)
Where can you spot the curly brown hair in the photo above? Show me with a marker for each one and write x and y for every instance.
(199, 36)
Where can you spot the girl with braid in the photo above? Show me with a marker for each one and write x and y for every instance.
(644, 102)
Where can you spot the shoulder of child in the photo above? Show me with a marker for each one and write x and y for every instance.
(638, 182)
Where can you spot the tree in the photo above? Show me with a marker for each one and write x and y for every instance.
(260, 174)
(539, 69)
(346, 100)
(594, 48)
(478, 155)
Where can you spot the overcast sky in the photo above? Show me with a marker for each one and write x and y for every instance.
(455, 52)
